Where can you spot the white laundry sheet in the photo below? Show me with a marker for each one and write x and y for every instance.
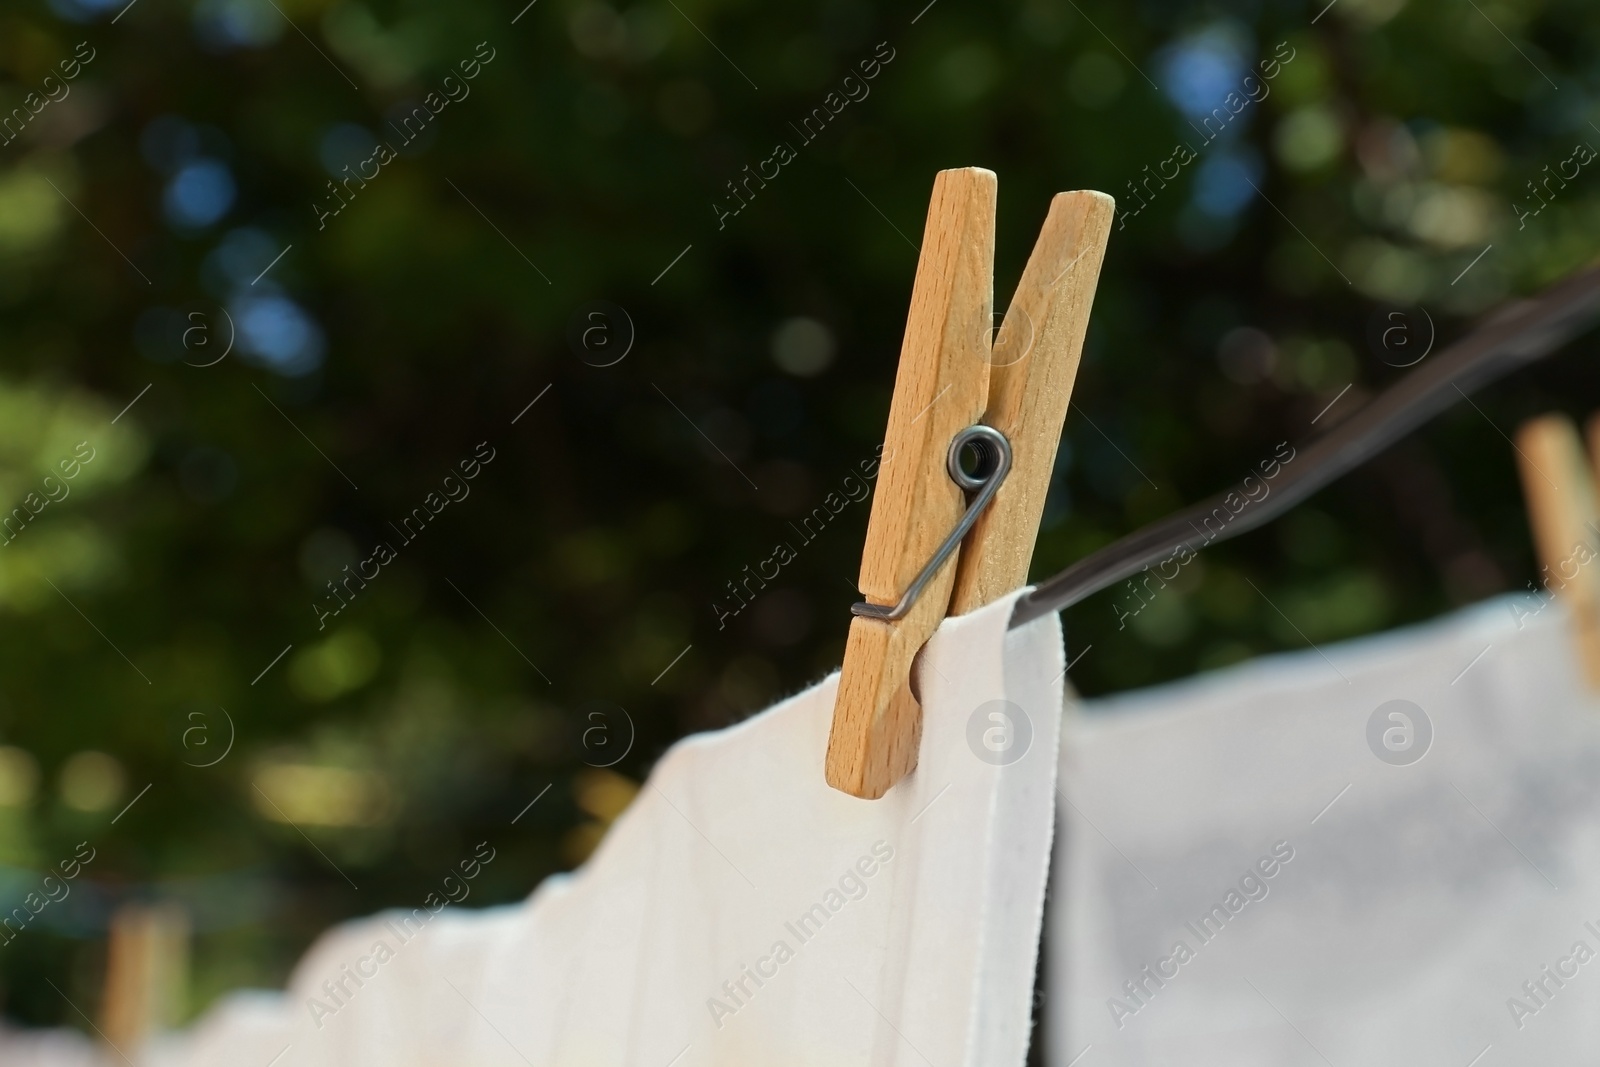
(47, 1048)
(1241, 879)
(740, 913)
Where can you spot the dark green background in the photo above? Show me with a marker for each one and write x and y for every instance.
(1392, 149)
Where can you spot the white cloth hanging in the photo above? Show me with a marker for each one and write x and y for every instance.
(1335, 907)
(47, 1048)
(740, 912)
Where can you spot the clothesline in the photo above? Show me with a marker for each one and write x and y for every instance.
(1512, 339)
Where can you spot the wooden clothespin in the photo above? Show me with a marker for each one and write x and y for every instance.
(1559, 487)
(147, 961)
(951, 376)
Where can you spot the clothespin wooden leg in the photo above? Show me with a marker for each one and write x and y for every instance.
(1560, 490)
(147, 957)
(1034, 363)
(940, 389)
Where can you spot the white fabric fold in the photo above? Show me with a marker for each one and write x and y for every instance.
(1407, 902)
(740, 912)
(47, 1048)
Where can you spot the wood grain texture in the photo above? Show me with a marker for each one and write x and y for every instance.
(1033, 365)
(1558, 485)
(940, 389)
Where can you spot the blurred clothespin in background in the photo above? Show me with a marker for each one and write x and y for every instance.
(1559, 486)
(147, 965)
